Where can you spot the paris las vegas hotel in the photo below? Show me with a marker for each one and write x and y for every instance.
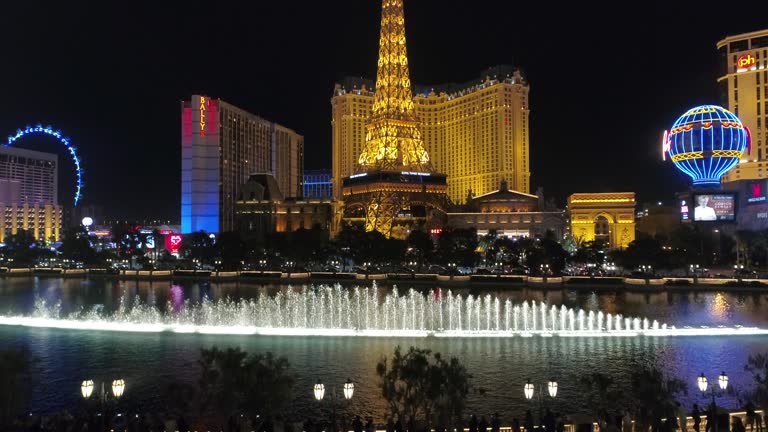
(476, 133)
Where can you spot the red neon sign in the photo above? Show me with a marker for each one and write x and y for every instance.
(746, 62)
(202, 116)
(173, 243)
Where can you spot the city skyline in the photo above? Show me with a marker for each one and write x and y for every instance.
(113, 84)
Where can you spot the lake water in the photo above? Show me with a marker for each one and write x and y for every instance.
(500, 366)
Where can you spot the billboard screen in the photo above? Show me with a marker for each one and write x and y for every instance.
(714, 207)
(173, 243)
(684, 210)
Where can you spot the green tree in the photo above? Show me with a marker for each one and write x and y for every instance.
(601, 395)
(128, 239)
(350, 242)
(230, 247)
(654, 395)
(305, 243)
(233, 382)
(77, 246)
(421, 246)
(16, 376)
(458, 245)
(645, 250)
(590, 252)
(22, 248)
(424, 386)
(198, 245)
(757, 365)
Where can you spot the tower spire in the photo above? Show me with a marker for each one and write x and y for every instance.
(393, 140)
(393, 172)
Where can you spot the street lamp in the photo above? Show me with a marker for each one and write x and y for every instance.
(704, 385)
(87, 387)
(118, 387)
(349, 389)
(552, 385)
(530, 391)
(319, 392)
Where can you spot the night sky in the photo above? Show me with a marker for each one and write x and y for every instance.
(604, 82)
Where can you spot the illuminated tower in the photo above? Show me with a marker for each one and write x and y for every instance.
(393, 171)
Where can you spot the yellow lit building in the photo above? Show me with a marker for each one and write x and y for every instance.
(43, 220)
(476, 133)
(743, 87)
(606, 217)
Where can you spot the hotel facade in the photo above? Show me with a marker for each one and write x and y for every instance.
(29, 194)
(475, 133)
(743, 88)
(221, 146)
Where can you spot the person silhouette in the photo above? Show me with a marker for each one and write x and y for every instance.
(357, 424)
(703, 212)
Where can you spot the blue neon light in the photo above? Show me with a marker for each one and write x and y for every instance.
(707, 129)
(56, 134)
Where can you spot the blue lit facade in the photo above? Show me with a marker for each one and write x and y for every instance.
(200, 204)
(318, 184)
(221, 147)
(65, 141)
(705, 143)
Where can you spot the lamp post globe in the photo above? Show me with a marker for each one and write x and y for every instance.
(118, 387)
(349, 389)
(702, 382)
(552, 386)
(528, 390)
(319, 390)
(86, 388)
(722, 380)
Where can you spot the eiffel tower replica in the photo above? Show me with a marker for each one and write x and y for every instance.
(394, 175)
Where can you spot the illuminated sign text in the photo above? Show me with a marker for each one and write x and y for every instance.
(746, 62)
(202, 115)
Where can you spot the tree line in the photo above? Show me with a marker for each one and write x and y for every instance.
(420, 387)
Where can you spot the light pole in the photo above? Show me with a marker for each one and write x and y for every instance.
(544, 268)
(704, 385)
(695, 270)
(87, 387)
(319, 391)
(738, 270)
(530, 391)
